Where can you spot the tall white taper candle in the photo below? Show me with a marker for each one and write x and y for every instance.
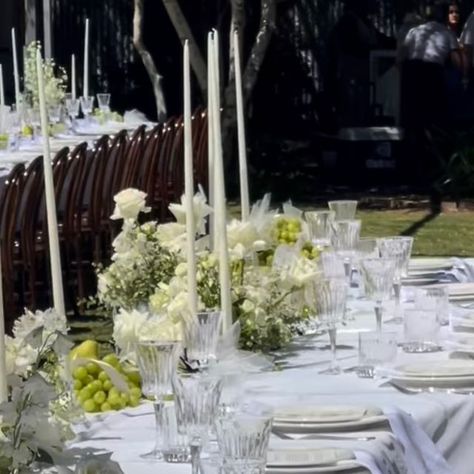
(189, 184)
(243, 170)
(220, 200)
(73, 77)
(3, 365)
(86, 59)
(210, 135)
(16, 75)
(2, 89)
(55, 258)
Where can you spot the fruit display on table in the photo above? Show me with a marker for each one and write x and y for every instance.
(105, 384)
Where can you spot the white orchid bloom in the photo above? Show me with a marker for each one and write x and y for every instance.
(200, 209)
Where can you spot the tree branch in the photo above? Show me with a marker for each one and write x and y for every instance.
(257, 55)
(155, 77)
(184, 32)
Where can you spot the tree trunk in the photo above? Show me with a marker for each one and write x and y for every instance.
(249, 79)
(155, 77)
(184, 32)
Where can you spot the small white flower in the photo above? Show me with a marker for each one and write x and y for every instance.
(200, 210)
(129, 203)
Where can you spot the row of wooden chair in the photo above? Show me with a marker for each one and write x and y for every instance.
(86, 181)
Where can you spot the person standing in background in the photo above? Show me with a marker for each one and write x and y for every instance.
(454, 18)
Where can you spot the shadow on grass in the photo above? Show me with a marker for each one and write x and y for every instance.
(416, 226)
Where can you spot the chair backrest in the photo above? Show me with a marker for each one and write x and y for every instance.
(128, 171)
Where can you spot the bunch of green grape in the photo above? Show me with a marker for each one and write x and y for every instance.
(310, 251)
(288, 230)
(95, 391)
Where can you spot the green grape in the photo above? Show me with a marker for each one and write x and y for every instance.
(88, 379)
(100, 397)
(77, 385)
(135, 392)
(115, 402)
(89, 406)
(98, 385)
(114, 392)
(92, 368)
(107, 385)
(92, 388)
(80, 373)
(125, 397)
(134, 401)
(103, 376)
(134, 377)
(105, 406)
(111, 359)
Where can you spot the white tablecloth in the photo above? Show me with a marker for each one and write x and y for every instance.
(436, 429)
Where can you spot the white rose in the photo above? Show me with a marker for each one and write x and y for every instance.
(129, 203)
(127, 326)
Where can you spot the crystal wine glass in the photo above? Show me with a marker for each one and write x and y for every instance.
(378, 274)
(330, 299)
(197, 397)
(104, 102)
(320, 227)
(157, 361)
(87, 106)
(344, 239)
(343, 209)
(201, 336)
(399, 249)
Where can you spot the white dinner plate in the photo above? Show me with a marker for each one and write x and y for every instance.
(451, 373)
(460, 291)
(307, 457)
(351, 467)
(430, 263)
(419, 281)
(323, 414)
(445, 368)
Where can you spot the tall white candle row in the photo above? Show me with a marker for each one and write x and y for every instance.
(243, 171)
(210, 135)
(86, 59)
(220, 203)
(189, 184)
(16, 75)
(55, 258)
(73, 77)
(2, 90)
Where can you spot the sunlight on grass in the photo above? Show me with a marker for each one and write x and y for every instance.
(445, 234)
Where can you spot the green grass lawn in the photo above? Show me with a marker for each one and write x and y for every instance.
(444, 234)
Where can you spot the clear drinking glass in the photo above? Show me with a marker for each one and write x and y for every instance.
(54, 113)
(201, 338)
(320, 227)
(332, 265)
(421, 329)
(436, 299)
(345, 236)
(157, 361)
(377, 274)
(72, 106)
(398, 248)
(243, 434)
(330, 302)
(197, 397)
(375, 350)
(87, 105)
(104, 102)
(344, 209)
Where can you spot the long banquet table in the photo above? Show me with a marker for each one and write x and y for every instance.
(430, 433)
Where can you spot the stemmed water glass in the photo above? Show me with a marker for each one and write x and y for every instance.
(344, 239)
(197, 397)
(72, 107)
(344, 209)
(104, 102)
(320, 227)
(201, 336)
(377, 274)
(399, 249)
(330, 301)
(87, 106)
(157, 361)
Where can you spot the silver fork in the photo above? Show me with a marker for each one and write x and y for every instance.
(414, 391)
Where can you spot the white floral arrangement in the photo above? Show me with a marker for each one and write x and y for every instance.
(35, 421)
(55, 79)
(145, 286)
